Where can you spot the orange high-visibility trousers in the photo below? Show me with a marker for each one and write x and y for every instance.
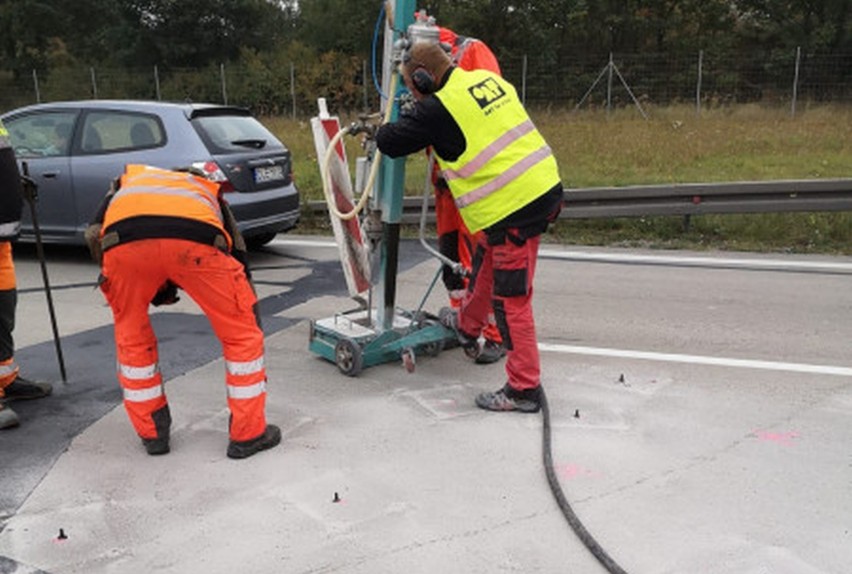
(8, 299)
(217, 282)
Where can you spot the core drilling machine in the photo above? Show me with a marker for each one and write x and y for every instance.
(373, 334)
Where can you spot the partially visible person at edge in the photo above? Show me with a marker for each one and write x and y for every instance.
(505, 182)
(159, 230)
(454, 240)
(12, 385)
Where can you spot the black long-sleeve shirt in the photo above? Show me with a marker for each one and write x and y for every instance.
(429, 123)
(11, 201)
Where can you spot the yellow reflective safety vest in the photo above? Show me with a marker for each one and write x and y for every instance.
(506, 163)
(159, 196)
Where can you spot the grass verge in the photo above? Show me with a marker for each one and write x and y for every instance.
(675, 145)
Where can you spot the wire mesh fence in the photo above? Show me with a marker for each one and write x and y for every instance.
(616, 80)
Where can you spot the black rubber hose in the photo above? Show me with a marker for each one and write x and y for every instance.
(564, 505)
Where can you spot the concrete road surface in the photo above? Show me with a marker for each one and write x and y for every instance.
(700, 406)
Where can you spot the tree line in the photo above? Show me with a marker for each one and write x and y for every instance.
(330, 39)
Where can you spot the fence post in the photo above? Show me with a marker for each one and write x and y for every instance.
(698, 85)
(35, 84)
(524, 81)
(94, 84)
(293, 87)
(157, 82)
(609, 85)
(224, 86)
(796, 82)
(364, 84)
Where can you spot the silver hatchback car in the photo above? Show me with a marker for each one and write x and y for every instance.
(73, 150)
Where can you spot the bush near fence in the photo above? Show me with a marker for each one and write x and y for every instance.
(289, 84)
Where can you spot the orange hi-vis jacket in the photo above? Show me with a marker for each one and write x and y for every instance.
(158, 203)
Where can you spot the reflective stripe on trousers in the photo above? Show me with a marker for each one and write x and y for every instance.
(140, 384)
(8, 373)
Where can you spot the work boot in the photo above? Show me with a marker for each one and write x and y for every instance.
(244, 449)
(8, 418)
(509, 399)
(156, 446)
(22, 389)
(490, 352)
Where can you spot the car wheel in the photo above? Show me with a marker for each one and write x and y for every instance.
(259, 240)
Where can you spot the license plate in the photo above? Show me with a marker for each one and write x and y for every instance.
(270, 173)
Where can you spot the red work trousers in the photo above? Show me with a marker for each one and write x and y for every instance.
(456, 242)
(503, 279)
(218, 284)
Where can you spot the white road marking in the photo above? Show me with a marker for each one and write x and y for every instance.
(698, 360)
(763, 263)
(784, 264)
(303, 242)
(709, 261)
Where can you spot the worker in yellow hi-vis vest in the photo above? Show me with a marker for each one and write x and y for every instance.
(505, 182)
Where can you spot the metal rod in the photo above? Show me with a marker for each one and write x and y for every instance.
(94, 84)
(293, 87)
(35, 83)
(698, 85)
(224, 85)
(157, 82)
(796, 81)
(31, 199)
(589, 91)
(610, 68)
(629, 91)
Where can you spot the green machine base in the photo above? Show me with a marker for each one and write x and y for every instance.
(351, 342)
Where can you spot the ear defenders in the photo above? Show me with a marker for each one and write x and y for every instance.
(423, 81)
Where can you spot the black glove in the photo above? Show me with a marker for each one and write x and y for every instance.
(166, 295)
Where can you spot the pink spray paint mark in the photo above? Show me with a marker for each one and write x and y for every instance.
(782, 438)
(570, 471)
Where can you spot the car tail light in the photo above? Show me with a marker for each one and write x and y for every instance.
(215, 173)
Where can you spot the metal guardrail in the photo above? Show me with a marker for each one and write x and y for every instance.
(683, 199)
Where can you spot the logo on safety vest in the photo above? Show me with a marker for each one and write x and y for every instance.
(487, 92)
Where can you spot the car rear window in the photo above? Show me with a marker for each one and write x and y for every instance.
(110, 131)
(231, 134)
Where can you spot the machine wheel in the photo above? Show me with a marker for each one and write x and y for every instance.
(432, 348)
(471, 350)
(408, 359)
(348, 357)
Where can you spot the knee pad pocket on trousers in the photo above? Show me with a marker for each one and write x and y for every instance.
(502, 325)
(475, 264)
(510, 282)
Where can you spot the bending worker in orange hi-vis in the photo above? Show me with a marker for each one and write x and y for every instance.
(454, 240)
(157, 231)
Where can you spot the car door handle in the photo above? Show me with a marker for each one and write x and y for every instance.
(50, 174)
